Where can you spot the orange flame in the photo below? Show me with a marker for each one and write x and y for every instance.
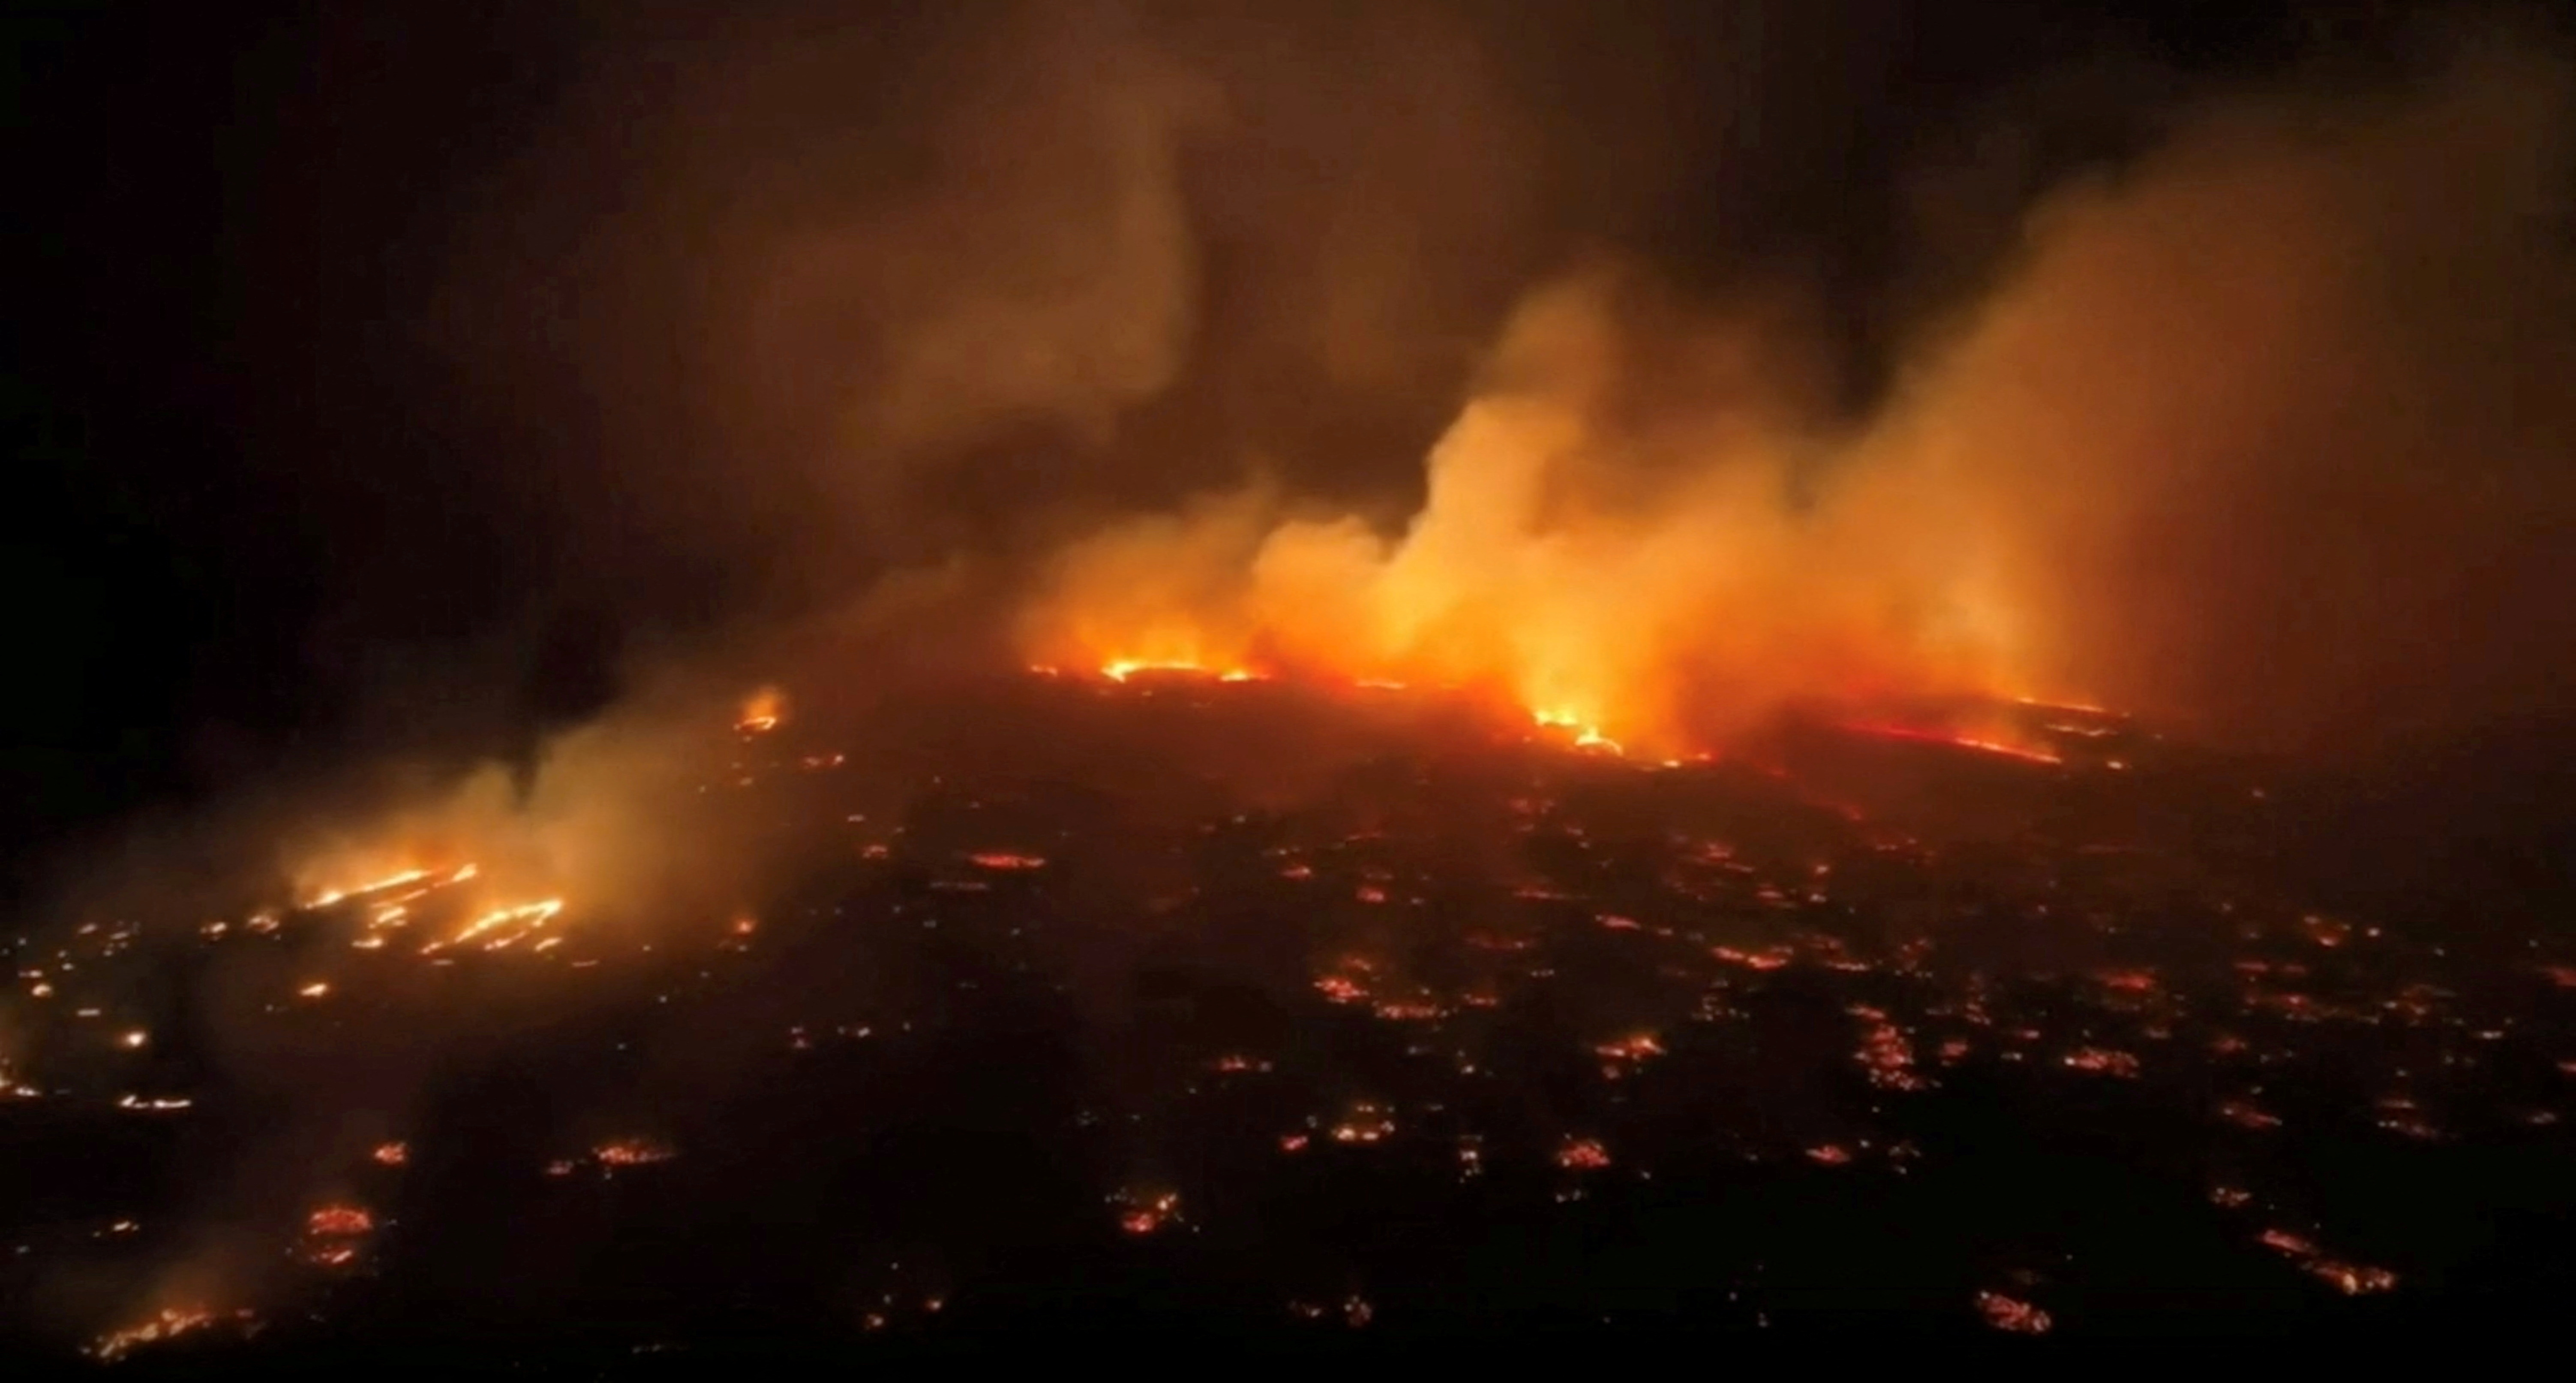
(1647, 594)
(765, 710)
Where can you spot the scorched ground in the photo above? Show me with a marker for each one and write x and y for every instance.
(1167, 1001)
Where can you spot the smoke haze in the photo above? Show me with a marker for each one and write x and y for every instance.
(1648, 369)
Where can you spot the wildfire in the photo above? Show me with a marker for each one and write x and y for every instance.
(1366, 1124)
(169, 1324)
(1636, 1048)
(2103, 1061)
(1583, 1155)
(330, 897)
(1341, 989)
(1769, 958)
(2025, 753)
(501, 927)
(1120, 669)
(2247, 1114)
(631, 1152)
(1563, 567)
(154, 1104)
(2351, 1279)
(2012, 1315)
(339, 1221)
(765, 710)
(1006, 862)
(1586, 734)
(1146, 1212)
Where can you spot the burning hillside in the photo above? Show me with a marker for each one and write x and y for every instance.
(872, 681)
(1102, 1024)
(1654, 589)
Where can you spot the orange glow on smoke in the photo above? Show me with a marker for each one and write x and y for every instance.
(1640, 593)
(765, 710)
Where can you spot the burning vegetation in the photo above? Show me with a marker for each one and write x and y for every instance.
(1716, 792)
(1507, 914)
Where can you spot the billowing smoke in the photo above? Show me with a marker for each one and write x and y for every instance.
(2261, 433)
(2253, 435)
(1650, 375)
(1648, 372)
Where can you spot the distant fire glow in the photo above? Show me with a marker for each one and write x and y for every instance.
(762, 712)
(1201, 671)
(1537, 576)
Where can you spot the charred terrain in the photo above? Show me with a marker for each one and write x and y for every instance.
(1328, 1015)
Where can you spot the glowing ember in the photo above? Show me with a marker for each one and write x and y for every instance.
(2103, 1061)
(1769, 958)
(631, 1152)
(2292, 1244)
(2351, 1279)
(1147, 1212)
(2246, 1114)
(1830, 1155)
(331, 1234)
(2012, 1315)
(391, 1154)
(339, 1221)
(1005, 861)
(1340, 990)
(153, 1104)
(1637, 1048)
(1887, 1054)
(1367, 1123)
(1583, 1155)
(314, 990)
